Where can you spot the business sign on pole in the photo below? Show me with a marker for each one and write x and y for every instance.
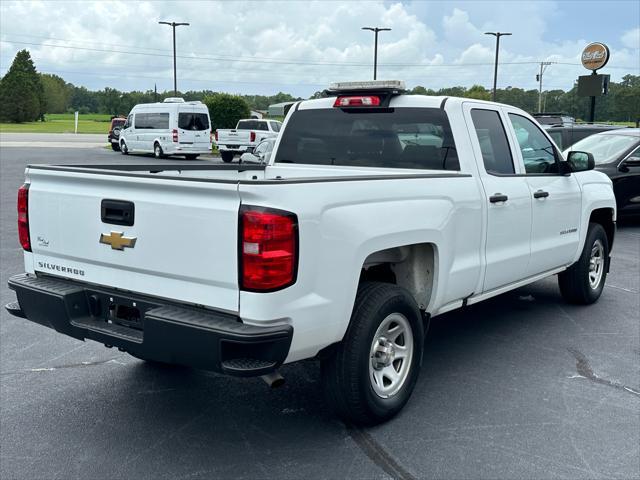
(595, 56)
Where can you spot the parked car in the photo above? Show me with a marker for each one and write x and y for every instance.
(172, 127)
(567, 135)
(547, 119)
(261, 153)
(340, 249)
(245, 137)
(114, 132)
(617, 154)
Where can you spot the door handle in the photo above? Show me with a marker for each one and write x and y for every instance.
(498, 197)
(540, 194)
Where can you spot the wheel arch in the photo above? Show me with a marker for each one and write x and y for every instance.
(605, 217)
(412, 267)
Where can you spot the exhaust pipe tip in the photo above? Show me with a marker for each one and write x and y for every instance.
(274, 379)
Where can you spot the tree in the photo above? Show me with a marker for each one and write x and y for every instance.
(478, 92)
(21, 93)
(225, 110)
(57, 94)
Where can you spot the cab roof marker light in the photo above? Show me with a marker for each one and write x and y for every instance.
(367, 85)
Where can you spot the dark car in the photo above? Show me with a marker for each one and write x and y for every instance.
(558, 119)
(567, 135)
(114, 132)
(617, 153)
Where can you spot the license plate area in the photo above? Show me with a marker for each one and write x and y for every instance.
(117, 310)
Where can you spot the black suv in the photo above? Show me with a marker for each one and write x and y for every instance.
(114, 132)
(566, 135)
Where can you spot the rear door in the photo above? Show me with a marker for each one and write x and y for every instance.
(181, 235)
(556, 199)
(507, 197)
(186, 133)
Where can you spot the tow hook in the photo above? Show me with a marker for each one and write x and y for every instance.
(273, 379)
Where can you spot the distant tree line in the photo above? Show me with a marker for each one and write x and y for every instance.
(26, 95)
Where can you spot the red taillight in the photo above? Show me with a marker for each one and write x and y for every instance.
(174, 134)
(268, 249)
(359, 101)
(252, 137)
(23, 217)
(216, 135)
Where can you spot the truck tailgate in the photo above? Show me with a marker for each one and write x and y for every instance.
(185, 234)
(234, 137)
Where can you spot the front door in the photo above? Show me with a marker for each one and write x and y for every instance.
(556, 199)
(507, 198)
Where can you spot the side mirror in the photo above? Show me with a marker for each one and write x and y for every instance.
(580, 161)
(632, 162)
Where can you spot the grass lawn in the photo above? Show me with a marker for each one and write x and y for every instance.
(62, 123)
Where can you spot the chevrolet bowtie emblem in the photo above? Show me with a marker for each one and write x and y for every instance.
(117, 240)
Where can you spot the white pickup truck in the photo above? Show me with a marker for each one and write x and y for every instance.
(376, 211)
(245, 137)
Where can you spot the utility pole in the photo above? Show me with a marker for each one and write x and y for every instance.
(174, 25)
(495, 67)
(375, 48)
(543, 67)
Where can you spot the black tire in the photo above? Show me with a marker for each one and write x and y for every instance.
(157, 151)
(123, 148)
(115, 147)
(191, 156)
(227, 157)
(575, 283)
(346, 379)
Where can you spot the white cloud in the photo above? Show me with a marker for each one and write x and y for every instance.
(631, 39)
(292, 46)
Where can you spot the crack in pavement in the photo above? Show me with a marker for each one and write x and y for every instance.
(378, 454)
(72, 365)
(584, 370)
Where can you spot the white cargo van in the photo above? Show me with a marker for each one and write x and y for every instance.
(172, 127)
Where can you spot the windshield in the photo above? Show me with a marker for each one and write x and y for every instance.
(398, 138)
(604, 148)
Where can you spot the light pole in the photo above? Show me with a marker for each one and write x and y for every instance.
(174, 25)
(495, 68)
(375, 48)
(543, 67)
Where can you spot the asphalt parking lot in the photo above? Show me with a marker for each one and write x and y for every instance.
(520, 386)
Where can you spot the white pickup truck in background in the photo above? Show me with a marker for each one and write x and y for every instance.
(245, 137)
(376, 211)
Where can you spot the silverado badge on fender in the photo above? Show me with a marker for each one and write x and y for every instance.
(117, 240)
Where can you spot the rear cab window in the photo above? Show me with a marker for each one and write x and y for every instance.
(415, 138)
(252, 125)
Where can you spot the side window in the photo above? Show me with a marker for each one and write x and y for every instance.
(275, 126)
(557, 137)
(494, 145)
(538, 153)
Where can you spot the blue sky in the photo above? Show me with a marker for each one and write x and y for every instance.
(301, 46)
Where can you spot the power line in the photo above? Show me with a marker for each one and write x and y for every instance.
(279, 61)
